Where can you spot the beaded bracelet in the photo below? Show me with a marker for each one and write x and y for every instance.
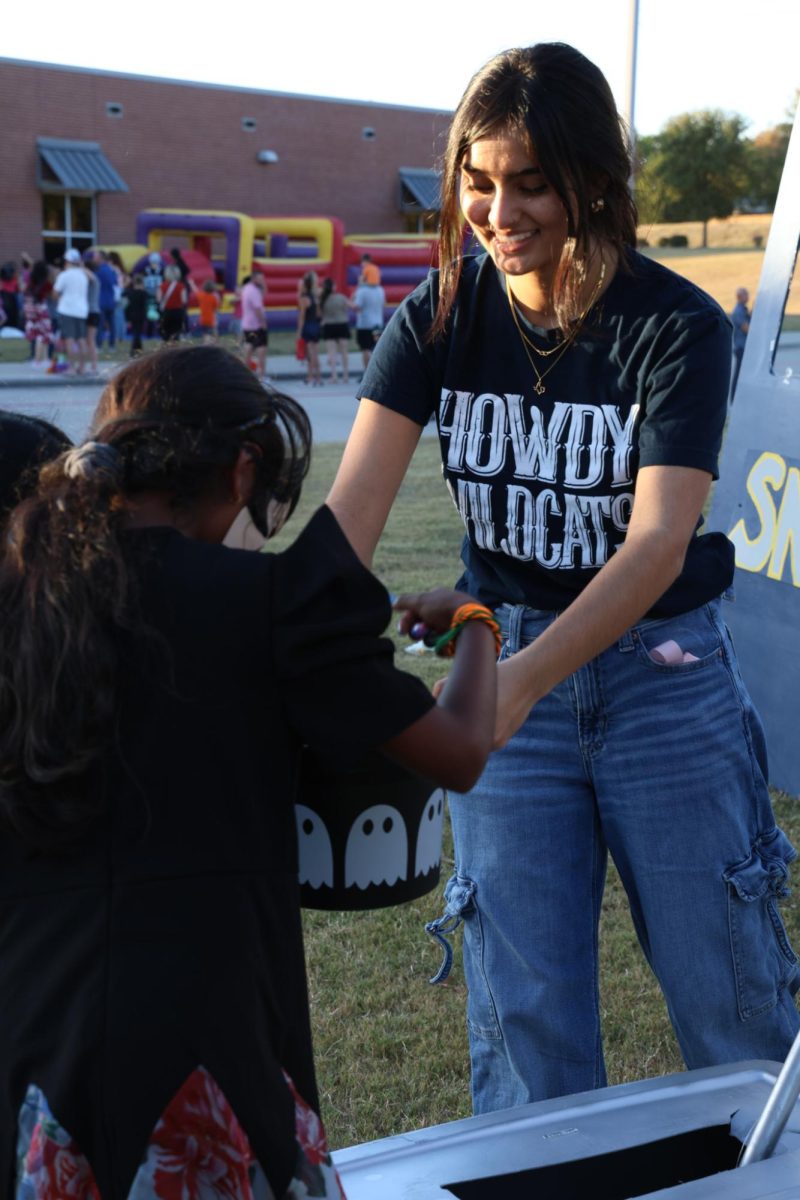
(445, 646)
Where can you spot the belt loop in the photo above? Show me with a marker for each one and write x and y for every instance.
(626, 642)
(515, 627)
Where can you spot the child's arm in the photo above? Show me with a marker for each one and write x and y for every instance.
(451, 743)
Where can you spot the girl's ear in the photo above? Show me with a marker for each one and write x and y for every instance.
(598, 186)
(243, 474)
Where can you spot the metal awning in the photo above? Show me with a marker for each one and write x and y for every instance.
(420, 189)
(72, 166)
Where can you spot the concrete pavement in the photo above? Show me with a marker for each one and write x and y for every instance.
(69, 401)
(281, 367)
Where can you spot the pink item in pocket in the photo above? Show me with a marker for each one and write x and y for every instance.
(670, 654)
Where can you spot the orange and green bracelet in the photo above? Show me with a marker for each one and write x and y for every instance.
(445, 646)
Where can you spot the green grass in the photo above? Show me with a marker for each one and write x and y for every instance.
(391, 1051)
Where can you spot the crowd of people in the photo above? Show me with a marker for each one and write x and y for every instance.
(70, 309)
(157, 687)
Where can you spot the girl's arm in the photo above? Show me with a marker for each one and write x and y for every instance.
(666, 508)
(451, 743)
(375, 460)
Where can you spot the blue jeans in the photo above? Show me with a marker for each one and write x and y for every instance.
(665, 767)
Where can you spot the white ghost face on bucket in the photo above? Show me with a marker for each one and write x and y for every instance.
(377, 848)
(314, 848)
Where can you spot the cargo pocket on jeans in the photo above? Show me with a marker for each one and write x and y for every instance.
(460, 905)
(763, 959)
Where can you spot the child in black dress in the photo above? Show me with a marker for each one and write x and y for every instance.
(155, 690)
(137, 301)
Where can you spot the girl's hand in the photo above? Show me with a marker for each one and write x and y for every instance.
(513, 703)
(434, 609)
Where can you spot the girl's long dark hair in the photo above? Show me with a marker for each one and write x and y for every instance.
(560, 104)
(39, 277)
(327, 289)
(174, 423)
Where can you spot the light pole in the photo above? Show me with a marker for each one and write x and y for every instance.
(630, 97)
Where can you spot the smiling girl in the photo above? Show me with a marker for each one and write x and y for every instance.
(580, 392)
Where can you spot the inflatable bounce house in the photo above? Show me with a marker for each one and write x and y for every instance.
(228, 246)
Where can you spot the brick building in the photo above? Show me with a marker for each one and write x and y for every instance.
(84, 151)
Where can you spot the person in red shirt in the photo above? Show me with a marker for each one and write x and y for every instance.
(173, 298)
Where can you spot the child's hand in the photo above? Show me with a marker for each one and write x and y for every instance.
(434, 609)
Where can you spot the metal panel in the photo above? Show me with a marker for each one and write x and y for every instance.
(757, 499)
(79, 166)
(424, 187)
(514, 1153)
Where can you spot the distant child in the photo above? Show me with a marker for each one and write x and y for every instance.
(255, 336)
(38, 324)
(208, 303)
(370, 271)
(137, 301)
(156, 689)
(153, 278)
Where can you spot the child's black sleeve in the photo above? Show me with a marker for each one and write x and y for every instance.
(341, 690)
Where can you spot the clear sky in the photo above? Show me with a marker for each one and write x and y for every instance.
(739, 55)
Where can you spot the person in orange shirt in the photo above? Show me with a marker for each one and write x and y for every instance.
(370, 271)
(208, 303)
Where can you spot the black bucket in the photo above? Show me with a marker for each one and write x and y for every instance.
(367, 838)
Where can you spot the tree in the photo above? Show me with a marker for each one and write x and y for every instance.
(697, 167)
(652, 190)
(766, 154)
(765, 158)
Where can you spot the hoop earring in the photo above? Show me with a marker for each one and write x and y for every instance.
(598, 204)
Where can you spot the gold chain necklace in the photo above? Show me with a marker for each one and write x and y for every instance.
(562, 347)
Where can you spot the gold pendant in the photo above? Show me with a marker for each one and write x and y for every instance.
(538, 387)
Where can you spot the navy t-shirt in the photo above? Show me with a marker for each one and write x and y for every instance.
(545, 483)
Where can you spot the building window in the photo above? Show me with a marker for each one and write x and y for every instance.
(248, 124)
(368, 133)
(69, 221)
(113, 108)
(423, 223)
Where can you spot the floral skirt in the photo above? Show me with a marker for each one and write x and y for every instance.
(197, 1151)
(37, 322)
